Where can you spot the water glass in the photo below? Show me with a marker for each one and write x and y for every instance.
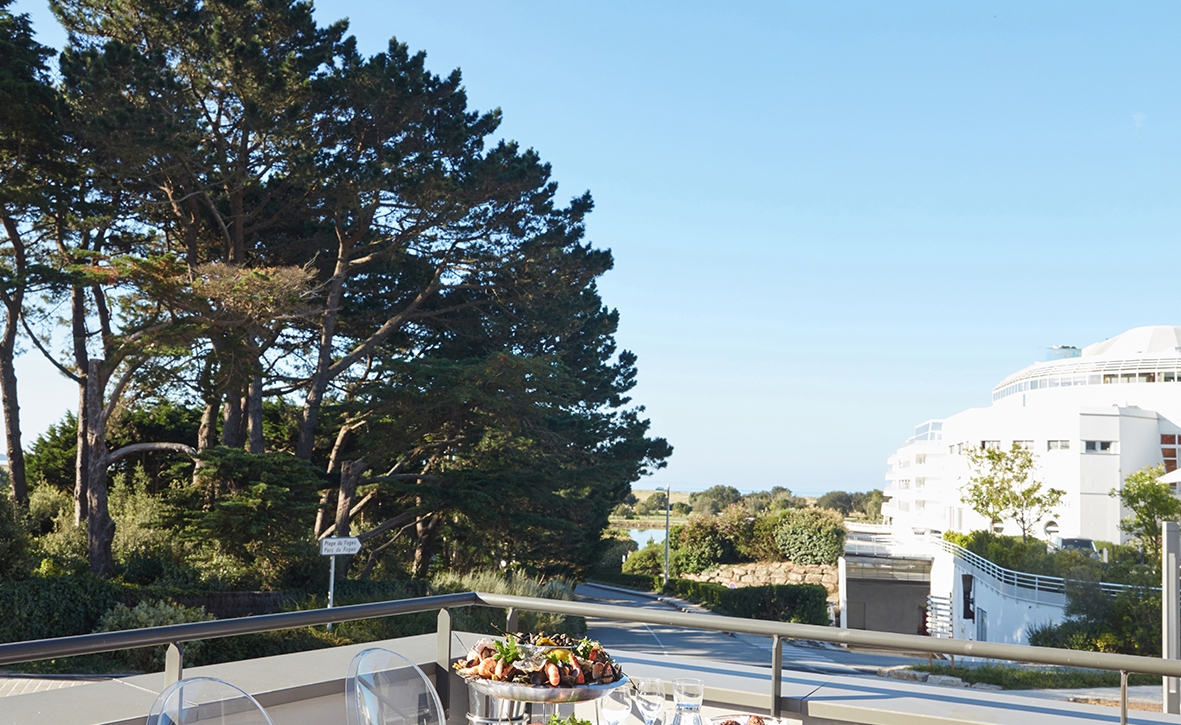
(614, 707)
(688, 693)
(649, 697)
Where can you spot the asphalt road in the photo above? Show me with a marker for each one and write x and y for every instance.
(743, 649)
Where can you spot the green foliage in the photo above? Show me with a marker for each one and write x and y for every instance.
(50, 460)
(811, 536)
(654, 504)
(648, 561)
(707, 541)
(46, 505)
(1001, 487)
(1125, 565)
(247, 518)
(777, 499)
(1151, 502)
(615, 553)
(47, 607)
(802, 603)
(487, 620)
(838, 501)
(1018, 677)
(714, 499)
(1126, 623)
(152, 614)
(62, 551)
(682, 509)
(15, 558)
(145, 552)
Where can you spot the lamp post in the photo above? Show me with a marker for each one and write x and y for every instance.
(668, 502)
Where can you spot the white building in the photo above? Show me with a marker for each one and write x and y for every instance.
(1091, 417)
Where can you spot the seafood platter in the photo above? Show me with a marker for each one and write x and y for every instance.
(540, 668)
(743, 720)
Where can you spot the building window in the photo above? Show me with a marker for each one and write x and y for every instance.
(1051, 529)
(920, 459)
(1098, 446)
(990, 445)
(1168, 451)
(1027, 445)
(1057, 445)
(920, 481)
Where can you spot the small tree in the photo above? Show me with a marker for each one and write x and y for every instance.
(1151, 502)
(1001, 487)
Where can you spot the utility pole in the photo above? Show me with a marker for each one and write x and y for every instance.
(668, 503)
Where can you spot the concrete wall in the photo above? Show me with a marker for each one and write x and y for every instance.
(767, 573)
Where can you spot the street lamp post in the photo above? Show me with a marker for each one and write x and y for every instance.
(668, 502)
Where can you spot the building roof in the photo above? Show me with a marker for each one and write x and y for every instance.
(1138, 342)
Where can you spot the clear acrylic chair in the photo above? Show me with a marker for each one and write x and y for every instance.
(206, 701)
(385, 688)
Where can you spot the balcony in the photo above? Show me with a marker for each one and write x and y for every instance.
(307, 688)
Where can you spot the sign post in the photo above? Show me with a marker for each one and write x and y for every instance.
(333, 547)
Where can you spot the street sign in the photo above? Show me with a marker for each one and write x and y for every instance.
(344, 546)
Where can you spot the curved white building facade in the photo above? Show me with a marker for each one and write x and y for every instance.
(1091, 417)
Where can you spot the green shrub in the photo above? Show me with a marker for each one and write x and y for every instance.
(639, 582)
(63, 550)
(487, 619)
(46, 607)
(810, 536)
(15, 560)
(151, 614)
(802, 603)
(647, 561)
(615, 551)
(761, 545)
(46, 505)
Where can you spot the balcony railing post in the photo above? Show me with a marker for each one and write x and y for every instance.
(510, 620)
(776, 674)
(174, 664)
(1123, 697)
(443, 660)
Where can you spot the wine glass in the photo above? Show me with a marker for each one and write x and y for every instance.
(649, 697)
(614, 707)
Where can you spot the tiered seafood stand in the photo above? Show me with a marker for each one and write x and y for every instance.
(507, 703)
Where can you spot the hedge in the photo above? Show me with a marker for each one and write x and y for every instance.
(800, 603)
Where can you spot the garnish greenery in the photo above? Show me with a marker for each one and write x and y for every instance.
(572, 720)
(507, 650)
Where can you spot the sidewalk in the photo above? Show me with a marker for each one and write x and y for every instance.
(1140, 697)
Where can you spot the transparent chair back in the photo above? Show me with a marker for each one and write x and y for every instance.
(385, 688)
(206, 701)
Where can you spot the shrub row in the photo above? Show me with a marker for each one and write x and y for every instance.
(801, 603)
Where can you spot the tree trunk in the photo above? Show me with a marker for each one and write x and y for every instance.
(14, 301)
(254, 415)
(81, 457)
(233, 427)
(424, 547)
(12, 423)
(318, 385)
(350, 474)
(81, 438)
(100, 529)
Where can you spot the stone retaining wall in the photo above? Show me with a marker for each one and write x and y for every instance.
(780, 572)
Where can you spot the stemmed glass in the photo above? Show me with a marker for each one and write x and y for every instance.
(649, 697)
(615, 706)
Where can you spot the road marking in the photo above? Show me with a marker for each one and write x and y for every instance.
(662, 647)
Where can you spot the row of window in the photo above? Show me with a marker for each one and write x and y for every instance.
(1066, 381)
(1051, 445)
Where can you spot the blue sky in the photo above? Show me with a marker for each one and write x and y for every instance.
(830, 221)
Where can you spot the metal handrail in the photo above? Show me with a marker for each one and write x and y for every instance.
(778, 631)
(1025, 580)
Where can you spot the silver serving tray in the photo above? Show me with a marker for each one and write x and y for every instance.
(541, 693)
